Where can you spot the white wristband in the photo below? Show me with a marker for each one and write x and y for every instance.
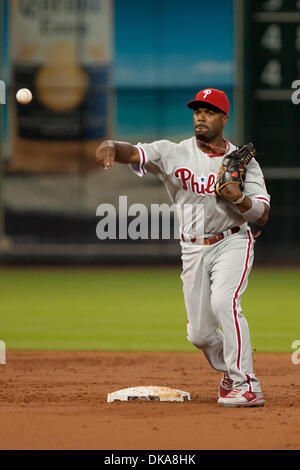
(256, 211)
(239, 201)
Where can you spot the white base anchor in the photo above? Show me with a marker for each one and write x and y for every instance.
(150, 393)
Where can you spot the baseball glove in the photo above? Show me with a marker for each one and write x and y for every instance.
(233, 167)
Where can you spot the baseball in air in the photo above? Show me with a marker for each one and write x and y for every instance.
(24, 96)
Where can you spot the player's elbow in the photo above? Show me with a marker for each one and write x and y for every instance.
(264, 218)
(262, 221)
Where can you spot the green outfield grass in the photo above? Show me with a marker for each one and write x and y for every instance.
(132, 309)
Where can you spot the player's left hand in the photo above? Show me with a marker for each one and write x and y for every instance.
(231, 191)
(232, 172)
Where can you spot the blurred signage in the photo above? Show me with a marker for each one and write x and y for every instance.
(271, 64)
(5, 111)
(61, 51)
(2, 92)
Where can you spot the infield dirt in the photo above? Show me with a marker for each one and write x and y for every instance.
(57, 400)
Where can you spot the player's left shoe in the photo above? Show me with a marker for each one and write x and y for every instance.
(238, 398)
(226, 385)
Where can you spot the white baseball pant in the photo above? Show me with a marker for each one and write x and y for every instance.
(214, 279)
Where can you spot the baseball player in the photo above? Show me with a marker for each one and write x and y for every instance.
(217, 197)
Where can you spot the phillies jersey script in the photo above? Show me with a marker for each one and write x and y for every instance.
(189, 175)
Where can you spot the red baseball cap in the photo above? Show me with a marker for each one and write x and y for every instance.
(212, 96)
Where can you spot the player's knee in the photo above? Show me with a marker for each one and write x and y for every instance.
(220, 303)
(197, 339)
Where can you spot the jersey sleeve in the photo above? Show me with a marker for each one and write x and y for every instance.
(153, 158)
(255, 186)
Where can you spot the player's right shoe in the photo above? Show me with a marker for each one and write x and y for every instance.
(226, 385)
(238, 398)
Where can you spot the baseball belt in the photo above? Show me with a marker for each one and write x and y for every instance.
(212, 240)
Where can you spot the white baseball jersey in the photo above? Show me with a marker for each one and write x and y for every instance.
(189, 175)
